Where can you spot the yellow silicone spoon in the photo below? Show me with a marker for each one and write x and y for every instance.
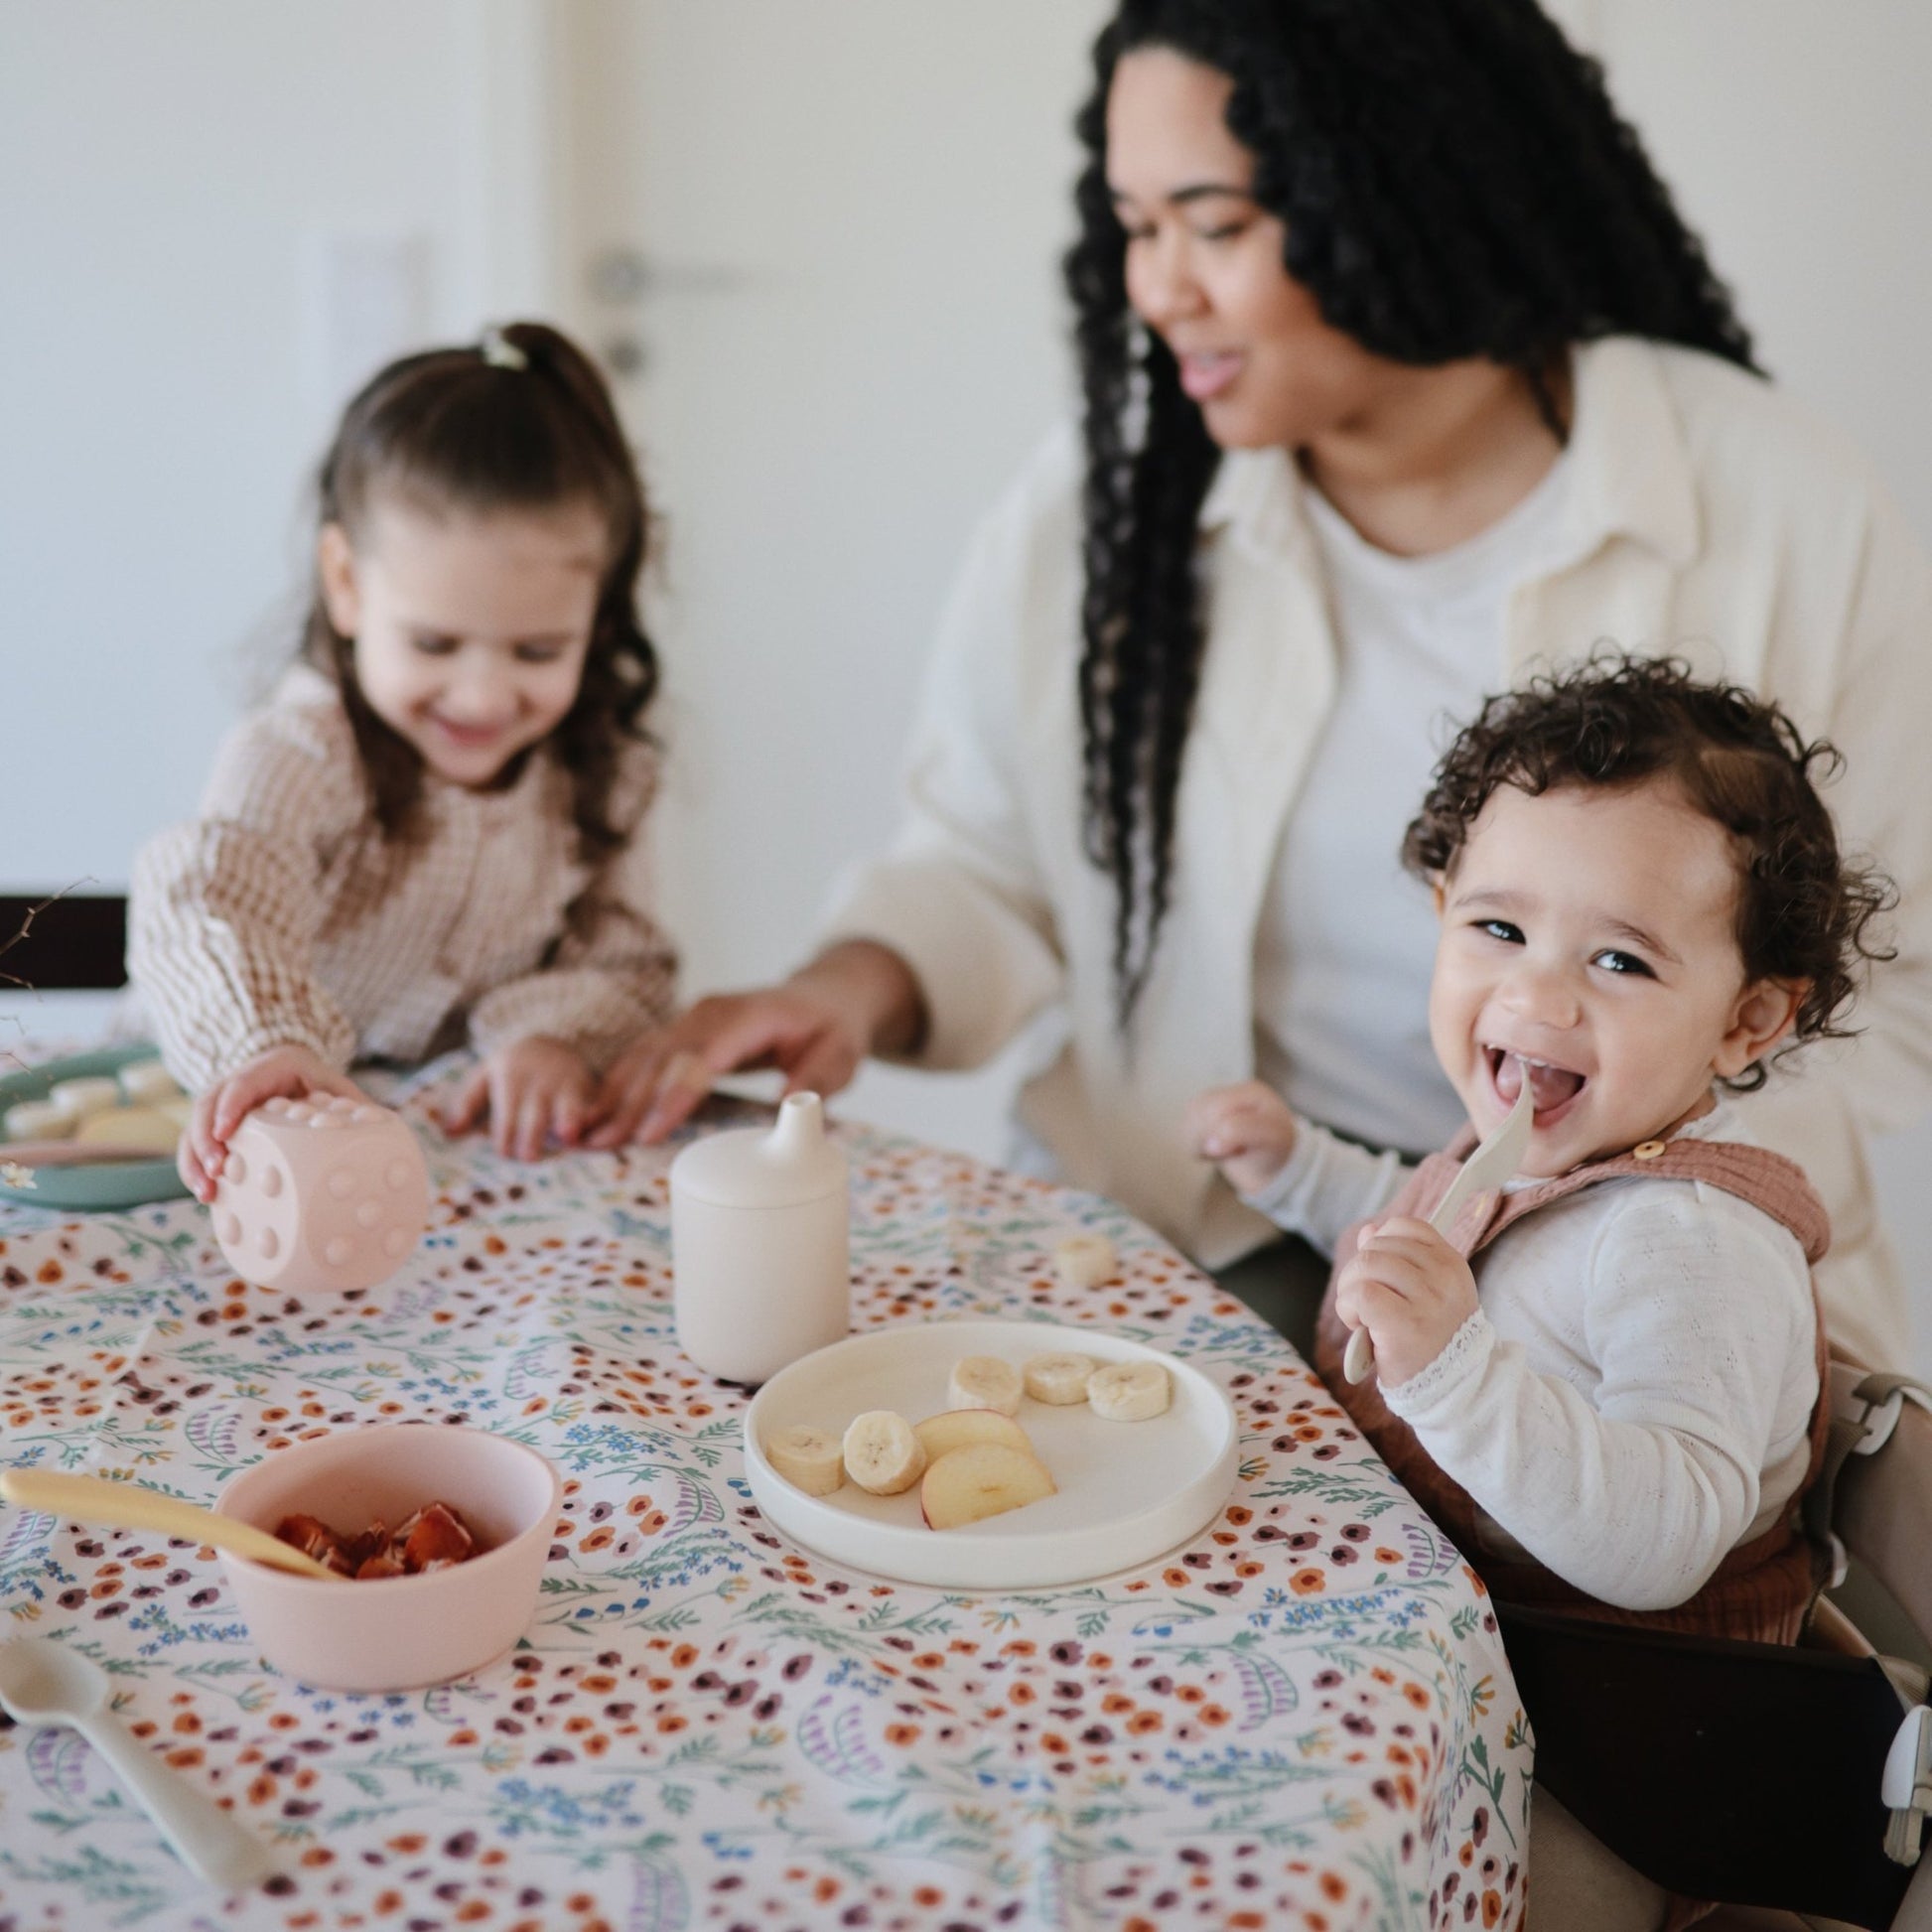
(134, 1506)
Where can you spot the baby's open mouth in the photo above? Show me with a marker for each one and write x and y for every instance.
(1551, 1086)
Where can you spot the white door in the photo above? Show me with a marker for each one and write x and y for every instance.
(828, 233)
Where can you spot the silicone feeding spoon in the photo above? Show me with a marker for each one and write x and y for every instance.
(134, 1506)
(43, 1681)
(1493, 1162)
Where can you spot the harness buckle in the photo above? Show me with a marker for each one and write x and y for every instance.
(1906, 1786)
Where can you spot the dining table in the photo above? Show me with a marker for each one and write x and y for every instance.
(1302, 1717)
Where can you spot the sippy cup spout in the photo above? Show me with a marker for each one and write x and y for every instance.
(800, 1126)
(792, 1159)
(759, 1244)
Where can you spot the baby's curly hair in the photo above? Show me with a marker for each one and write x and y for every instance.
(1805, 909)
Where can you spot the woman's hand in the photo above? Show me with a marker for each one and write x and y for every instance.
(817, 1028)
(1411, 1290)
(658, 1083)
(1246, 1129)
(294, 1072)
(534, 1091)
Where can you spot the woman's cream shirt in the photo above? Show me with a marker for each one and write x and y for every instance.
(1711, 517)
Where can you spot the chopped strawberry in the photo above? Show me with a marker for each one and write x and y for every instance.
(435, 1537)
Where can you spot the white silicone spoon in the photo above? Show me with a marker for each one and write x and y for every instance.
(1493, 1162)
(134, 1506)
(43, 1681)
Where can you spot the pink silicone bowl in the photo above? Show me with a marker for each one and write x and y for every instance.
(396, 1633)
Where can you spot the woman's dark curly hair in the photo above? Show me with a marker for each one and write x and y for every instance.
(1804, 909)
(528, 426)
(1454, 182)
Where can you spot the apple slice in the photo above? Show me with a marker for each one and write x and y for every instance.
(953, 1429)
(979, 1480)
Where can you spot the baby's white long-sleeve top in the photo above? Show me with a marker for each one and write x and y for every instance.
(1632, 1398)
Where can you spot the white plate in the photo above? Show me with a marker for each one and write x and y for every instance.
(1128, 1491)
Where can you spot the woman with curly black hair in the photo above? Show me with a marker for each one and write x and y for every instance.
(1401, 377)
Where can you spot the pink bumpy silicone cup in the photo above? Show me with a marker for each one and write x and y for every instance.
(320, 1196)
(396, 1633)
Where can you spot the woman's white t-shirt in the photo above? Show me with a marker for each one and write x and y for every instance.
(1347, 938)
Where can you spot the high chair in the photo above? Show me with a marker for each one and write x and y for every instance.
(1792, 1783)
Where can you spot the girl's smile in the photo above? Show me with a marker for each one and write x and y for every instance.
(1592, 932)
(470, 627)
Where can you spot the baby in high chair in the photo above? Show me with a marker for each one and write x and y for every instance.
(431, 831)
(1605, 1382)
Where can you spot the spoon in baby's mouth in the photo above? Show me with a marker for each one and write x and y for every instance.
(1493, 1162)
(1554, 1078)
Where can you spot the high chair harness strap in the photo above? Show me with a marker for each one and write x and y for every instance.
(1864, 1405)
(1763, 1589)
(1771, 1184)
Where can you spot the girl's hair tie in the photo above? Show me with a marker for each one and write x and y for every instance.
(500, 353)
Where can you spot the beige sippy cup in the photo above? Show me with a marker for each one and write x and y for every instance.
(759, 1249)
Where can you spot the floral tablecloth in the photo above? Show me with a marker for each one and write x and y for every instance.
(1302, 1720)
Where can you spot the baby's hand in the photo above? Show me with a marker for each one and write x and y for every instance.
(1411, 1290)
(534, 1091)
(1248, 1128)
(295, 1073)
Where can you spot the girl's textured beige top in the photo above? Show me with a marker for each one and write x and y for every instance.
(281, 916)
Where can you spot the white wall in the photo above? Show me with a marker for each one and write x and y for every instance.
(1794, 134)
(171, 178)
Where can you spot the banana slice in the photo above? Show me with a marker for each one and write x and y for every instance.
(146, 1126)
(1085, 1261)
(882, 1452)
(144, 1082)
(1129, 1391)
(1059, 1379)
(39, 1119)
(85, 1094)
(809, 1459)
(985, 1382)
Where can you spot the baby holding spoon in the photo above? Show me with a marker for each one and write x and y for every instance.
(1605, 1382)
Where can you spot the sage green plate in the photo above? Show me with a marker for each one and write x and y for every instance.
(112, 1185)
